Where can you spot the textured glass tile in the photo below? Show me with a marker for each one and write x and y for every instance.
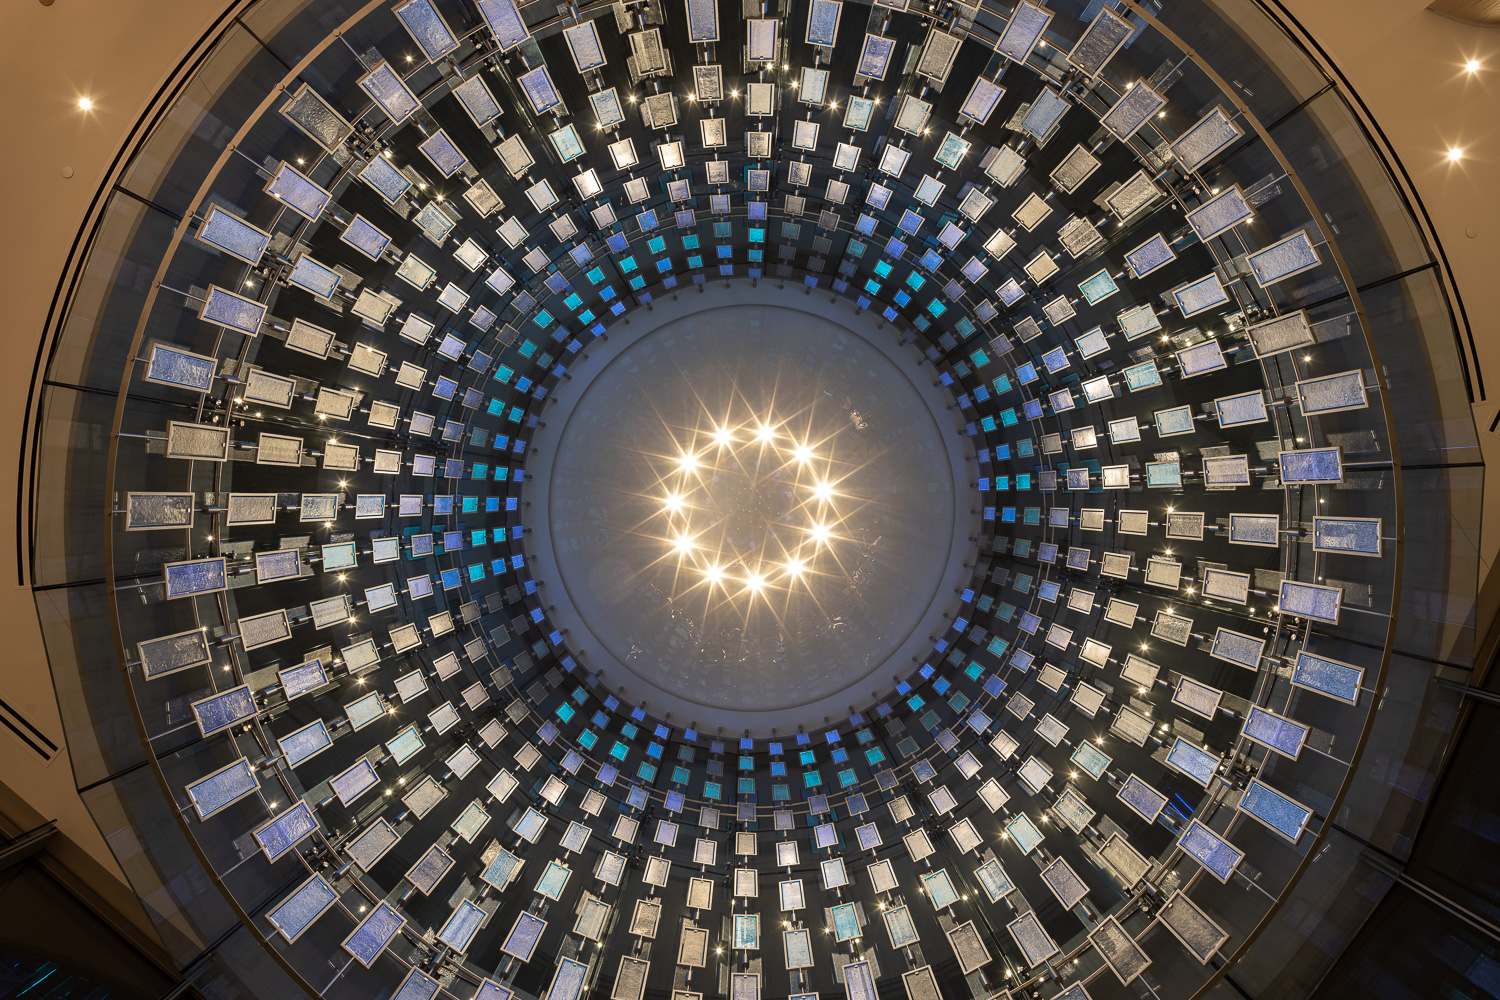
(981, 101)
(1283, 259)
(480, 103)
(940, 888)
(1141, 376)
(262, 630)
(307, 903)
(1138, 321)
(225, 709)
(1045, 112)
(1331, 677)
(1284, 333)
(158, 510)
(1118, 949)
(1271, 730)
(1211, 850)
(1192, 927)
(199, 576)
(1150, 255)
(1073, 810)
(1124, 859)
(553, 879)
(630, 979)
(417, 986)
(1220, 213)
(921, 984)
(1178, 420)
(1024, 833)
(171, 653)
(1034, 774)
(315, 116)
(1234, 647)
(993, 880)
(286, 830)
(1213, 133)
(1317, 465)
(434, 223)
(372, 935)
(1163, 474)
(387, 89)
(1034, 943)
(305, 743)
(1079, 236)
(1245, 408)
(1195, 763)
(1331, 393)
(444, 155)
(427, 28)
(310, 276)
(584, 47)
(1142, 799)
(236, 312)
(1226, 471)
(742, 986)
(461, 926)
(222, 788)
(1064, 883)
(430, 869)
(1255, 529)
(505, 22)
(1074, 169)
(278, 449)
(1285, 815)
(567, 980)
(1307, 600)
(502, 869)
(1132, 726)
(354, 782)
(1023, 30)
(1091, 759)
(859, 982)
(173, 366)
(1134, 109)
(951, 151)
(1100, 41)
(234, 235)
(1133, 195)
(369, 847)
(365, 238)
(297, 191)
(251, 508)
(1351, 535)
(1098, 287)
(1198, 296)
(1196, 697)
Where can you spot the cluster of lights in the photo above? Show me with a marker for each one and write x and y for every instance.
(697, 532)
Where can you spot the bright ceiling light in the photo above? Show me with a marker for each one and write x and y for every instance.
(688, 462)
(823, 491)
(673, 502)
(1455, 154)
(724, 436)
(1472, 66)
(714, 574)
(765, 433)
(802, 453)
(682, 545)
(821, 533)
(793, 567)
(755, 583)
(85, 104)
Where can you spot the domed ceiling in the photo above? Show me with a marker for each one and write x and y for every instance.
(755, 500)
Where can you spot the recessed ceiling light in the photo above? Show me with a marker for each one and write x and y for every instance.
(1472, 66)
(85, 103)
(1455, 154)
